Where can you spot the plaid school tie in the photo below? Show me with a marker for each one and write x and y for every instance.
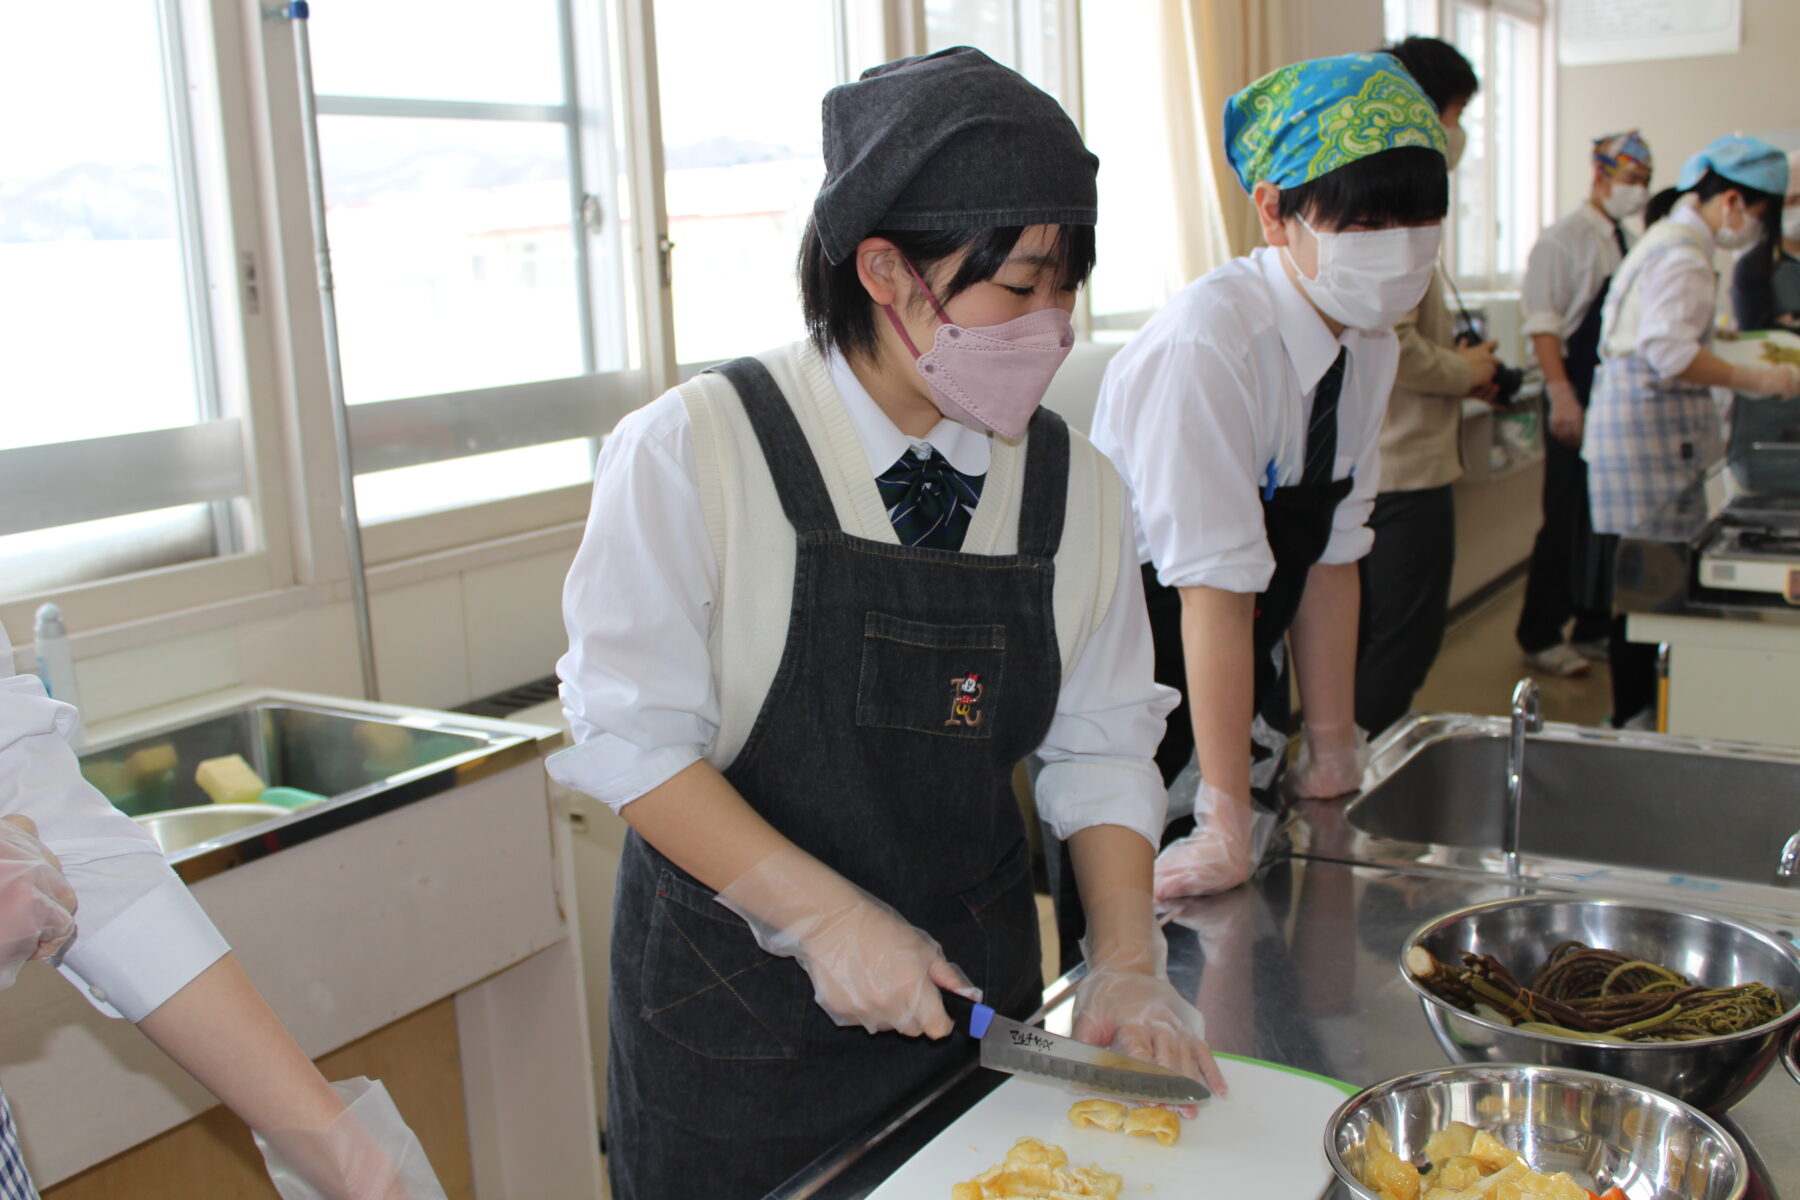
(928, 500)
(1321, 431)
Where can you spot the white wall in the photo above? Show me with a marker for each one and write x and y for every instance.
(1682, 104)
(1328, 27)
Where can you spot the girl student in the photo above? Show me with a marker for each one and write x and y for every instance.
(1653, 425)
(1245, 420)
(828, 598)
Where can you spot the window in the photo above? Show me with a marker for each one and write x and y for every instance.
(122, 446)
(478, 271)
(1027, 35)
(742, 160)
(1496, 207)
(538, 213)
(1123, 120)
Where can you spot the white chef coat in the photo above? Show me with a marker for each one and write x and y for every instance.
(1568, 264)
(1218, 386)
(638, 686)
(141, 936)
(1677, 300)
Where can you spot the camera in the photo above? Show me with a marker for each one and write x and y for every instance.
(1507, 380)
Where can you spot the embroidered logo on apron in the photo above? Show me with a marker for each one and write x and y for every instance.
(965, 695)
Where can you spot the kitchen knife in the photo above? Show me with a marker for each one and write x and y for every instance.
(1017, 1049)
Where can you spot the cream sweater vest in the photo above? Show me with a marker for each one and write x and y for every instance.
(754, 544)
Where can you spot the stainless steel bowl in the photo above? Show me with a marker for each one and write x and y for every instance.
(1605, 1132)
(1790, 1057)
(1710, 1073)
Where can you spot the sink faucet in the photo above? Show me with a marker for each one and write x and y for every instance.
(1527, 717)
(1790, 860)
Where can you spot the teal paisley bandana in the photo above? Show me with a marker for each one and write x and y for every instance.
(1293, 125)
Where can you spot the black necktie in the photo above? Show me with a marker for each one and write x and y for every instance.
(1619, 237)
(929, 501)
(1321, 431)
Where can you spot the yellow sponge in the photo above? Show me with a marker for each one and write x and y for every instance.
(150, 762)
(229, 780)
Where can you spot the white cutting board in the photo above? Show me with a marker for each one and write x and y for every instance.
(1266, 1139)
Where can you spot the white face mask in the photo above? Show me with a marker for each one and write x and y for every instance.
(1790, 223)
(1625, 200)
(1458, 141)
(1369, 279)
(1737, 237)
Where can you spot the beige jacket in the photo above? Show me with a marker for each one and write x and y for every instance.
(1421, 439)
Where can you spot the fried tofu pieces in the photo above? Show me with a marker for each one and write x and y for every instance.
(1466, 1164)
(1036, 1170)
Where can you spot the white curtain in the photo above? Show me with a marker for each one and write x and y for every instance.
(1213, 48)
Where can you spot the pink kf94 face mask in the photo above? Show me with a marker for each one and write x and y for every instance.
(990, 378)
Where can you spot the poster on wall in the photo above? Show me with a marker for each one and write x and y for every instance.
(1591, 32)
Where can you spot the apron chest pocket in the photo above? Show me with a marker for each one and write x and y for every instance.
(939, 679)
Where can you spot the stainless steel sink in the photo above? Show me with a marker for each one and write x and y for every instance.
(364, 760)
(178, 828)
(1599, 806)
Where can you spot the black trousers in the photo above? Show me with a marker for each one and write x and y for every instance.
(1632, 664)
(1405, 601)
(1553, 591)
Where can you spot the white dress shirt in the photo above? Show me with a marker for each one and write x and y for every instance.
(1218, 386)
(141, 937)
(1568, 264)
(1678, 297)
(639, 687)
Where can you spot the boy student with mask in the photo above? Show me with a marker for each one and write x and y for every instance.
(1653, 427)
(1765, 284)
(1245, 419)
(1566, 281)
(1405, 576)
(828, 600)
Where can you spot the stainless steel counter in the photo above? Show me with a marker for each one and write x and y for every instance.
(1300, 967)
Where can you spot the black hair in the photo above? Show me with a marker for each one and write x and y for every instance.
(1439, 68)
(1659, 205)
(1714, 184)
(1407, 185)
(839, 313)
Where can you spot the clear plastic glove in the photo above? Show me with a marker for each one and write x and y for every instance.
(37, 905)
(868, 965)
(1770, 379)
(1330, 763)
(1567, 421)
(1218, 855)
(1126, 1003)
(368, 1153)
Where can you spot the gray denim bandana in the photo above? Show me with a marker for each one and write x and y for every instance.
(951, 140)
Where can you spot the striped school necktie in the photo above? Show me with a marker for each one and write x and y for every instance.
(1322, 430)
(929, 501)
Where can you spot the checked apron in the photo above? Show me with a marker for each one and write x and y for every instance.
(912, 682)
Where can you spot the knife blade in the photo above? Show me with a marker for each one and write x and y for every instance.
(1017, 1049)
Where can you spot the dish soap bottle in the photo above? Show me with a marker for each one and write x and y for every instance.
(56, 662)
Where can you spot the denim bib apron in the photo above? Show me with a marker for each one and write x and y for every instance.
(911, 684)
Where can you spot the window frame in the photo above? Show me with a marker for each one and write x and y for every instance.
(216, 178)
(266, 342)
(1495, 278)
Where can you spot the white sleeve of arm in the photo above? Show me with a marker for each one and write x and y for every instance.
(1098, 755)
(1677, 296)
(141, 935)
(1191, 464)
(637, 680)
(1544, 296)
